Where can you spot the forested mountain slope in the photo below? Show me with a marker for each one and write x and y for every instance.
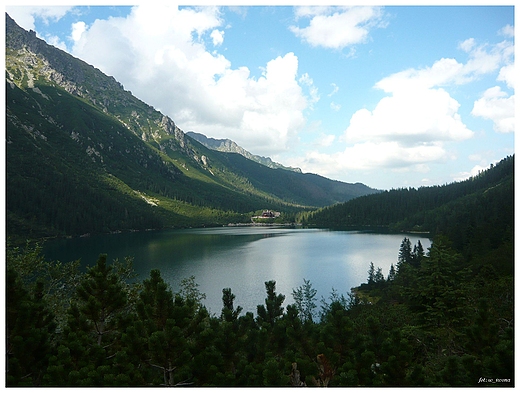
(84, 155)
(466, 211)
(302, 188)
(440, 318)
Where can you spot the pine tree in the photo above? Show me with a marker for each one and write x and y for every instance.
(439, 295)
(169, 353)
(417, 254)
(273, 309)
(379, 277)
(91, 345)
(155, 305)
(228, 340)
(405, 254)
(305, 301)
(337, 333)
(59, 279)
(397, 354)
(391, 273)
(229, 313)
(29, 332)
(371, 274)
(102, 300)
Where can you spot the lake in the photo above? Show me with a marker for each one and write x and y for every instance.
(243, 258)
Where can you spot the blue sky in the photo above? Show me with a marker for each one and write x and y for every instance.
(391, 96)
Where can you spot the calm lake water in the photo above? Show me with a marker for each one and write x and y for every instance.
(243, 258)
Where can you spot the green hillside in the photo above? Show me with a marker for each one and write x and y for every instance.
(468, 212)
(442, 317)
(302, 188)
(84, 156)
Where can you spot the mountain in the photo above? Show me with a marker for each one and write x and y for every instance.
(476, 212)
(86, 156)
(228, 146)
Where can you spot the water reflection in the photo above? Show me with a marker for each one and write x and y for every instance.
(244, 258)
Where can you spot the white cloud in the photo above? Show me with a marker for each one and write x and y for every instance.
(507, 75)
(467, 45)
(447, 71)
(335, 89)
(25, 16)
(218, 37)
(410, 116)
(306, 80)
(442, 72)
(497, 106)
(409, 129)
(325, 140)
(507, 31)
(371, 155)
(337, 27)
(55, 41)
(163, 46)
(77, 30)
(484, 60)
(335, 107)
(475, 170)
(391, 154)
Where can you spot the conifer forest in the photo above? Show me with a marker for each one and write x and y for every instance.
(442, 317)
(84, 156)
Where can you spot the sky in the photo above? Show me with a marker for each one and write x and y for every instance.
(389, 96)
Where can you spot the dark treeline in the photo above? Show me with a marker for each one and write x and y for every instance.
(441, 317)
(436, 320)
(459, 210)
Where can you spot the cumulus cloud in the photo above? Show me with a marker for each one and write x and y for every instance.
(498, 106)
(507, 75)
(391, 154)
(410, 128)
(56, 41)
(448, 71)
(495, 104)
(408, 116)
(484, 164)
(337, 27)
(371, 155)
(167, 47)
(442, 72)
(485, 59)
(77, 30)
(217, 36)
(507, 31)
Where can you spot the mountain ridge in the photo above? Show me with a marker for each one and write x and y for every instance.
(229, 146)
(79, 144)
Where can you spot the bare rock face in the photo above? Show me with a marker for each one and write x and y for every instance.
(229, 146)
